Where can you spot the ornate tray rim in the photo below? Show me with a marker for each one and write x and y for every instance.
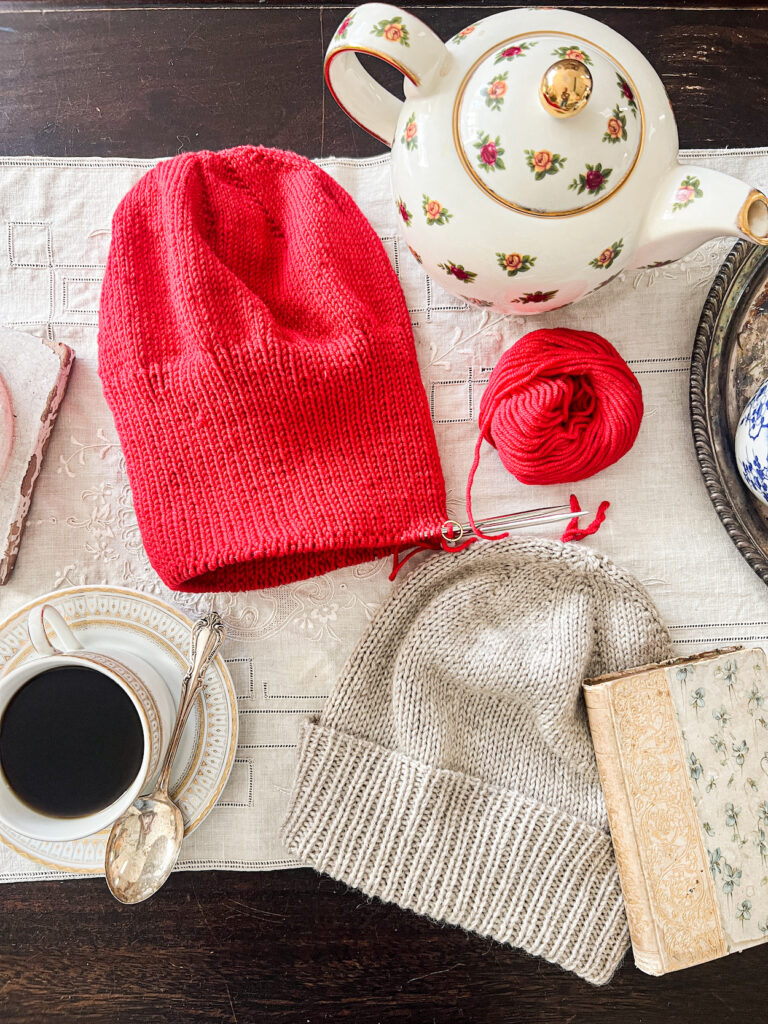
(734, 283)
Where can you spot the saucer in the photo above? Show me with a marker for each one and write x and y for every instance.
(117, 621)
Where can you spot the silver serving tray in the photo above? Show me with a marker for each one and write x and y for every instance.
(728, 364)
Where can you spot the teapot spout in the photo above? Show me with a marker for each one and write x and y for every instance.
(693, 204)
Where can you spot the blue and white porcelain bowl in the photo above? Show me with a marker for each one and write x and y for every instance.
(752, 444)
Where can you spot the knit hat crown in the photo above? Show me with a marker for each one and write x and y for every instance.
(258, 357)
(460, 661)
(452, 771)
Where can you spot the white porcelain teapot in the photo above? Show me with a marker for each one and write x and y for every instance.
(535, 155)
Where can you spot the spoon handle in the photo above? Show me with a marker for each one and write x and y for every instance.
(207, 636)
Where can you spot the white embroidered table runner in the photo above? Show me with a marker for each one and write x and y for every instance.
(286, 646)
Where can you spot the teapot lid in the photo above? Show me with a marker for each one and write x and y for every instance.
(548, 124)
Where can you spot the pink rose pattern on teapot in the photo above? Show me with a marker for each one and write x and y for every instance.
(494, 143)
(541, 162)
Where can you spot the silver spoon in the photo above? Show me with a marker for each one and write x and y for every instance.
(145, 841)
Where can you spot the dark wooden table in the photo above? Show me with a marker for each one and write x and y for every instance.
(292, 946)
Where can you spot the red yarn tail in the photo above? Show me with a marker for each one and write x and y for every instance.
(470, 481)
(399, 559)
(572, 531)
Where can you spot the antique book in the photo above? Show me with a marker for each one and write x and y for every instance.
(682, 751)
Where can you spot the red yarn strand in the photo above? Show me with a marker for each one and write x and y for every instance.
(470, 480)
(572, 530)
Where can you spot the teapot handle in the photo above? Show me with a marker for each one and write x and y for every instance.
(394, 36)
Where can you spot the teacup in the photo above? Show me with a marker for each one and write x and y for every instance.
(136, 706)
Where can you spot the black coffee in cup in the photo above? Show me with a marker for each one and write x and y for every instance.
(71, 742)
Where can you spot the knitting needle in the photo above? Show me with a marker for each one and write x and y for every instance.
(510, 521)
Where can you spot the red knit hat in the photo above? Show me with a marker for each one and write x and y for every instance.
(257, 355)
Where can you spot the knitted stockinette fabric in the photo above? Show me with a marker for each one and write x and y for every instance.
(452, 770)
(257, 354)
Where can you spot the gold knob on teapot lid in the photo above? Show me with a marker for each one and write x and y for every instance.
(566, 87)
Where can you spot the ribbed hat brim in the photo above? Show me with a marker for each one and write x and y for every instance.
(458, 850)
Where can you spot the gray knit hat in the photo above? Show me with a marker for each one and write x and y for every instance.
(452, 770)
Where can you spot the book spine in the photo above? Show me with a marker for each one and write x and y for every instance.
(645, 943)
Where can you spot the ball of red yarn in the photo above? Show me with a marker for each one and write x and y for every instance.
(560, 406)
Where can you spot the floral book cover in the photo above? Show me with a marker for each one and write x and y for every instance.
(682, 750)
